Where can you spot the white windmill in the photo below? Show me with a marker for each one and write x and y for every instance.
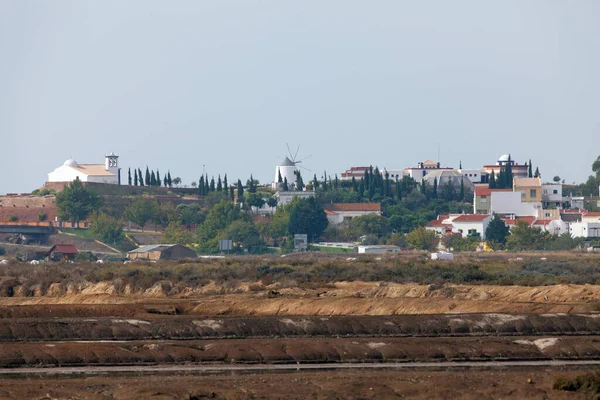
(288, 169)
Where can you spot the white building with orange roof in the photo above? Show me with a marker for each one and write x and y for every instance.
(109, 172)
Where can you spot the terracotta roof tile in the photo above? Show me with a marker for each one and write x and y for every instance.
(353, 207)
(471, 218)
(438, 223)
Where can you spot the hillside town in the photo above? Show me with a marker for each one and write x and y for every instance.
(503, 205)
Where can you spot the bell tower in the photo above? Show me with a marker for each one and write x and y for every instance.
(111, 164)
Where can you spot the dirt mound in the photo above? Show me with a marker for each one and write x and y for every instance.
(185, 327)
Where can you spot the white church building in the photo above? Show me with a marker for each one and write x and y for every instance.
(109, 172)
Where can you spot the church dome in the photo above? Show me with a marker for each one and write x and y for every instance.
(71, 163)
(503, 158)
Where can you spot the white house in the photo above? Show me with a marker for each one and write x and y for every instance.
(474, 175)
(552, 195)
(471, 224)
(340, 212)
(585, 229)
(511, 204)
(286, 197)
(423, 169)
(109, 172)
(443, 224)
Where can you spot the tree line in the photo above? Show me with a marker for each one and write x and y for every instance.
(150, 178)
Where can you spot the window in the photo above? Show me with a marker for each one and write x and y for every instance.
(555, 191)
(545, 191)
(522, 195)
(532, 193)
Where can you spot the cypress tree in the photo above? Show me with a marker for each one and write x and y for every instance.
(206, 185)
(140, 179)
(135, 178)
(201, 186)
(152, 179)
(211, 187)
(462, 189)
(279, 178)
(225, 184)
(231, 194)
(158, 181)
(129, 176)
(325, 181)
(435, 188)
(509, 173)
(386, 185)
(492, 184)
(315, 182)
(336, 182)
(219, 184)
(460, 164)
(285, 184)
(537, 173)
(240, 191)
(367, 179)
(169, 180)
(398, 190)
(361, 188)
(501, 181)
(147, 180)
(165, 181)
(354, 185)
(299, 181)
(530, 172)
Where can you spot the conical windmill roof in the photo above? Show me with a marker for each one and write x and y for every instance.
(287, 163)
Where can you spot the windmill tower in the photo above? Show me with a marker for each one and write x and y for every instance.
(287, 169)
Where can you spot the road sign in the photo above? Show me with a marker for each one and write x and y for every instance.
(300, 242)
(225, 245)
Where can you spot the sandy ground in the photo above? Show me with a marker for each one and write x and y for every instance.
(519, 383)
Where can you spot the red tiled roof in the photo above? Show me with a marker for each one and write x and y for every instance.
(353, 207)
(591, 214)
(529, 220)
(509, 221)
(574, 211)
(438, 223)
(63, 248)
(542, 222)
(484, 191)
(329, 212)
(471, 218)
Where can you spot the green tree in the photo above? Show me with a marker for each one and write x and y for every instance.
(461, 196)
(147, 179)
(76, 202)
(135, 177)
(140, 179)
(201, 186)
(212, 186)
(492, 184)
(252, 184)
(225, 184)
(524, 237)
(422, 239)
(315, 181)
(107, 228)
(191, 215)
(537, 173)
(152, 179)
(556, 179)
(219, 184)
(529, 169)
(165, 181)
(244, 235)
(435, 188)
(158, 181)
(240, 191)
(141, 210)
(308, 217)
(449, 192)
(176, 233)
(219, 217)
(371, 224)
(496, 232)
(169, 180)
(254, 200)
(285, 185)
(299, 181)
(129, 177)
(596, 167)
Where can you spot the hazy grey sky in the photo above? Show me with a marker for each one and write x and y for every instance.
(181, 84)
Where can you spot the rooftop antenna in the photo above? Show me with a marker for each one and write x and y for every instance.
(438, 152)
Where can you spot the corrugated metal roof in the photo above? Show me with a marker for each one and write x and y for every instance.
(152, 247)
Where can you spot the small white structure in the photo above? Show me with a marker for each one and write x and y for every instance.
(442, 255)
(422, 169)
(474, 175)
(379, 249)
(109, 172)
(444, 176)
(471, 224)
(552, 195)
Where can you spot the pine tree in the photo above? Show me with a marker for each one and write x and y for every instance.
(211, 187)
(169, 180)
(285, 184)
(158, 181)
(462, 189)
(492, 184)
(435, 188)
(147, 178)
(219, 184)
(135, 177)
(251, 185)
(225, 184)
(152, 179)
(530, 172)
(537, 173)
(129, 176)
(140, 179)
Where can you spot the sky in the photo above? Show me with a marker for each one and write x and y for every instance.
(222, 86)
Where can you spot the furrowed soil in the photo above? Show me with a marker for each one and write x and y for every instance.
(81, 317)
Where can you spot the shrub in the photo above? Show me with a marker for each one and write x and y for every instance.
(2, 251)
(41, 217)
(13, 218)
(584, 383)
